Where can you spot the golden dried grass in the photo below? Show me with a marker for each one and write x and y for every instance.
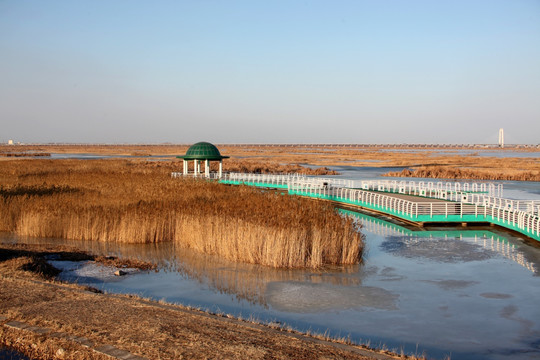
(254, 158)
(270, 167)
(137, 202)
(441, 172)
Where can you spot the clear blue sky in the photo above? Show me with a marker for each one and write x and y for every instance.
(270, 71)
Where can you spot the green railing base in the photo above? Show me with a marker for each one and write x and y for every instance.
(422, 219)
(418, 219)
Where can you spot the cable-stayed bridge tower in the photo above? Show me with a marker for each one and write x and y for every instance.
(501, 137)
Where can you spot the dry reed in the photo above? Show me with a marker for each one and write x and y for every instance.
(286, 159)
(440, 172)
(271, 167)
(137, 202)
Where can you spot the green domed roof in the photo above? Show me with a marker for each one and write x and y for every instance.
(203, 151)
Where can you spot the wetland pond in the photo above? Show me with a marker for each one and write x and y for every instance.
(458, 292)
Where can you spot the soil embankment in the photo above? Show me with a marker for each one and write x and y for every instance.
(90, 321)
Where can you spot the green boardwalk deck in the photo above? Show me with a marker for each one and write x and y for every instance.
(411, 209)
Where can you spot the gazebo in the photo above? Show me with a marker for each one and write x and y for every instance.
(202, 151)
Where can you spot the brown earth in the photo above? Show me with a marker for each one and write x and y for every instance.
(142, 327)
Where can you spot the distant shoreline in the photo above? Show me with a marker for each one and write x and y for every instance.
(481, 164)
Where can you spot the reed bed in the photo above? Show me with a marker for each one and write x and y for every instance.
(24, 154)
(272, 159)
(439, 172)
(270, 167)
(137, 202)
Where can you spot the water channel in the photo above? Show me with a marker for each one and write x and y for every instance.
(464, 293)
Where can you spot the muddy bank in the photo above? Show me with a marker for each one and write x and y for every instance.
(144, 328)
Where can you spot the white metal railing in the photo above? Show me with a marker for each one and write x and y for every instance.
(195, 175)
(421, 211)
(431, 188)
(528, 206)
(439, 190)
(279, 180)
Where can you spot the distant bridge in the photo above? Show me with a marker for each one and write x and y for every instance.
(381, 145)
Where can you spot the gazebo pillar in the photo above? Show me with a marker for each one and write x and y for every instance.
(220, 168)
(185, 168)
(207, 168)
(195, 167)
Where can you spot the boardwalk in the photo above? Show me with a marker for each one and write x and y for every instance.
(413, 202)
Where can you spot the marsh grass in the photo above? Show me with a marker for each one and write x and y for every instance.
(137, 202)
(270, 167)
(442, 172)
(272, 159)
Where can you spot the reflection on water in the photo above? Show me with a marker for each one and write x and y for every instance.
(249, 282)
(469, 293)
(303, 297)
(444, 245)
(243, 281)
(440, 250)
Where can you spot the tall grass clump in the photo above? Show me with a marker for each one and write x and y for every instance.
(441, 172)
(137, 202)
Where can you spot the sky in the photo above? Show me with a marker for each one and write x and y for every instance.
(273, 71)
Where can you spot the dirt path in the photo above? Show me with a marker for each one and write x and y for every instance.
(90, 320)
